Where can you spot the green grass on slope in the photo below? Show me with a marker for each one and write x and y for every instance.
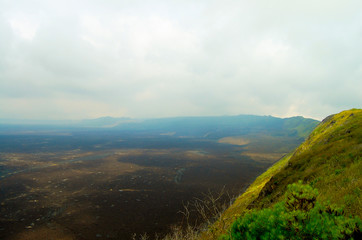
(329, 160)
(302, 126)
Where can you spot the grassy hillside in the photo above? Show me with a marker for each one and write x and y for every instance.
(329, 160)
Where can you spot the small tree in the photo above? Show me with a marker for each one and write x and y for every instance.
(298, 216)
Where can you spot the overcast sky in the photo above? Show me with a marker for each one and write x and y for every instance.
(145, 59)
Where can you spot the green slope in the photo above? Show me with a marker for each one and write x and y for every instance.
(329, 160)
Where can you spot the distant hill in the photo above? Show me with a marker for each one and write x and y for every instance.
(329, 160)
(218, 127)
(200, 127)
(102, 122)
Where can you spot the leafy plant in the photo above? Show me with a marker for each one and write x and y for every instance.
(298, 216)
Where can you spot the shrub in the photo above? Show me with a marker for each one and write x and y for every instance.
(298, 216)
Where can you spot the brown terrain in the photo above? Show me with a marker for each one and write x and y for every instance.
(110, 194)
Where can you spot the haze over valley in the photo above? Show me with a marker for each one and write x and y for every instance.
(83, 182)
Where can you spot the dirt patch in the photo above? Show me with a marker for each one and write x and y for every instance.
(234, 140)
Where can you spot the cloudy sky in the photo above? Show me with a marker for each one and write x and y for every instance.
(144, 59)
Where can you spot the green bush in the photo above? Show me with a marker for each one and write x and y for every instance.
(299, 216)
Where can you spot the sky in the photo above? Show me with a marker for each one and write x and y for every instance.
(150, 59)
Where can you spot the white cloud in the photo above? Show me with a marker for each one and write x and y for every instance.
(23, 26)
(162, 58)
(272, 49)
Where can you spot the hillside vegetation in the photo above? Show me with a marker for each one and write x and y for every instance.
(329, 160)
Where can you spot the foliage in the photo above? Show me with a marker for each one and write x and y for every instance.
(298, 216)
(330, 160)
(300, 197)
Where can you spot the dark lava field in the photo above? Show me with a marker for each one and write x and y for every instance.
(106, 184)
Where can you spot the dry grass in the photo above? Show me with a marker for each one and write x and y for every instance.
(264, 157)
(208, 209)
(242, 202)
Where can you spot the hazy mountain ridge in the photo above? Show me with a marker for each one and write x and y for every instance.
(86, 123)
(207, 127)
(215, 127)
(329, 160)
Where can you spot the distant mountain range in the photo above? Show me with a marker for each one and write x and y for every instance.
(205, 127)
(97, 122)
